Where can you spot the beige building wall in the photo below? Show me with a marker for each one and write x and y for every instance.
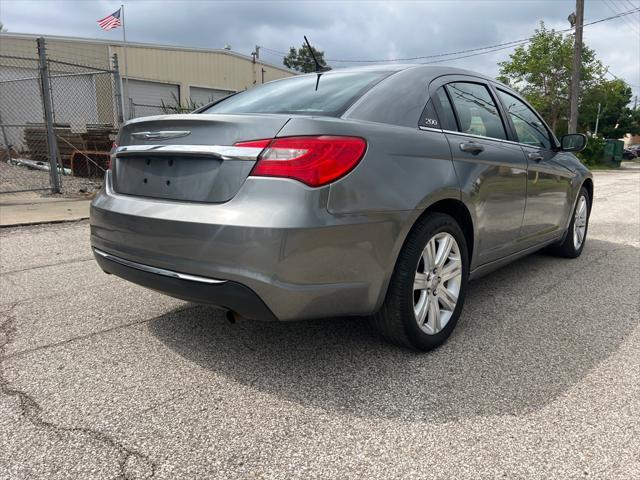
(219, 69)
(631, 139)
(198, 68)
(65, 50)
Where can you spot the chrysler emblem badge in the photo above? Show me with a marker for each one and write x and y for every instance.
(163, 135)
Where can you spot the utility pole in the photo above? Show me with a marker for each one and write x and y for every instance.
(577, 66)
(253, 67)
(255, 56)
(595, 134)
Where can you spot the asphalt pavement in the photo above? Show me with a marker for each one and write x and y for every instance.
(100, 378)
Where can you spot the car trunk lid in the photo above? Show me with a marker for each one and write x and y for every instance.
(189, 157)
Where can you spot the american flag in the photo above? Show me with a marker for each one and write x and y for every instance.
(110, 21)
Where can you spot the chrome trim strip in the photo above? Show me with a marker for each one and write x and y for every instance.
(463, 134)
(429, 129)
(499, 140)
(161, 135)
(156, 270)
(220, 151)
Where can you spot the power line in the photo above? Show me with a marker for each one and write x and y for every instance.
(628, 4)
(618, 78)
(505, 45)
(481, 50)
(476, 54)
(628, 21)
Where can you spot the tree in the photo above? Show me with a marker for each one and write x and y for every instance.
(301, 59)
(2, 29)
(616, 118)
(541, 71)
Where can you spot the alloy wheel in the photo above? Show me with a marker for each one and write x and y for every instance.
(437, 283)
(580, 222)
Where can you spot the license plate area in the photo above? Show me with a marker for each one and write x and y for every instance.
(183, 178)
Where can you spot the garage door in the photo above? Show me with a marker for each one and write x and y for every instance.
(148, 98)
(201, 96)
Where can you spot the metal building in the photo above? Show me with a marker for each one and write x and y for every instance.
(160, 77)
(63, 99)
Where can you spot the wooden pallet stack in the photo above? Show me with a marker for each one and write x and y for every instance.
(68, 142)
(35, 138)
(89, 164)
(96, 138)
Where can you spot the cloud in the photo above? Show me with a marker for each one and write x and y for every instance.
(344, 30)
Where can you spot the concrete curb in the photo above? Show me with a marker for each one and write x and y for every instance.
(43, 212)
(44, 222)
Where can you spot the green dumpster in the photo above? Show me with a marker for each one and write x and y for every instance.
(612, 153)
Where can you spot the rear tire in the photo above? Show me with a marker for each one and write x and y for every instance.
(428, 285)
(576, 237)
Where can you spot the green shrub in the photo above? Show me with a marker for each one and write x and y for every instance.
(592, 154)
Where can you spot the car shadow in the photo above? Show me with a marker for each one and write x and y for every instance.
(529, 332)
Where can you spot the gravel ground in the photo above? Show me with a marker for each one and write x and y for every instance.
(19, 177)
(102, 379)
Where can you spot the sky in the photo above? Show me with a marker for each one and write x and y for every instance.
(344, 30)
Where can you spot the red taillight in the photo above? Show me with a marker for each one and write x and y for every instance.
(254, 144)
(315, 161)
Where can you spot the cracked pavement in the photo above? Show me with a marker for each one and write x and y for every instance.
(100, 378)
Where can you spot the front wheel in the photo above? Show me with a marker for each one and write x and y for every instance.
(428, 285)
(573, 243)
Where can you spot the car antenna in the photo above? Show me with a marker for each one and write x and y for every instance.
(319, 68)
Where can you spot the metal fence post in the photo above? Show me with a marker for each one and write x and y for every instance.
(47, 103)
(118, 90)
(5, 141)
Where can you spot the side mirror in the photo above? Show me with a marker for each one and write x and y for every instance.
(573, 142)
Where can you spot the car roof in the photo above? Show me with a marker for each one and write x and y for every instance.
(400, 98)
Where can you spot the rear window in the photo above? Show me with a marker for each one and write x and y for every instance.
(329, 95)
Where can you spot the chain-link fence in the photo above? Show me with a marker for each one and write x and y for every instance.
(143, 110)
(24, 157)
(172, 106)
(57, 123)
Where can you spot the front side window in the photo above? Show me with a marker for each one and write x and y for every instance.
(476, 111)
(529, 129)
(329, 94)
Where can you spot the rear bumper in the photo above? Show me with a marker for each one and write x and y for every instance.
(230, 295)
(275, 238)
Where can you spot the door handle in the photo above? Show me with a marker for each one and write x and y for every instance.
(471, 147)
(535, 156)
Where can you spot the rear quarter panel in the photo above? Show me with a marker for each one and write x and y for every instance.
(404, 171)
(403, 168)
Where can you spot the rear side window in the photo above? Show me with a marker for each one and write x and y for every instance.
(476, 111)
(529, 128)
(448, 117)
(329, 94)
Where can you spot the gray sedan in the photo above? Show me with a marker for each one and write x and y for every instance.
(371, 191)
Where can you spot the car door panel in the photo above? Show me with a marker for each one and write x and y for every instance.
(494, 181)
(549, 190)
(491, 170)
(549, 184)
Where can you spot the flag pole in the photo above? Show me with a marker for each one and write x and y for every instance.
(126, 72)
